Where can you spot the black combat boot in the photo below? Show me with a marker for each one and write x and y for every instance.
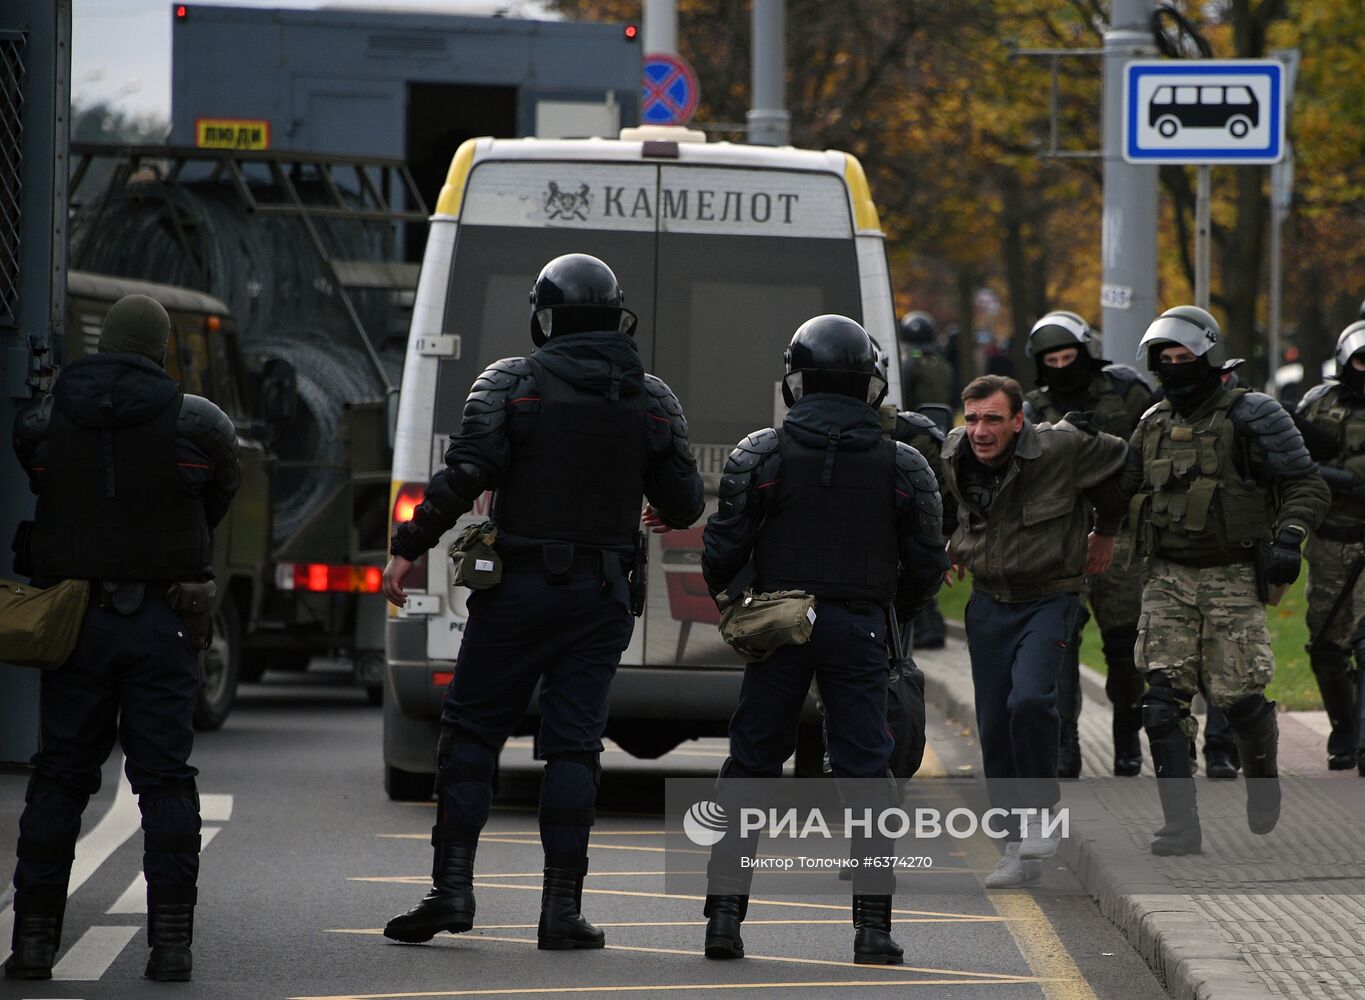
(1360, 707)
(449, 906)
(562, 926)
(1258, 736)
(724, 914)
(170, 932)
(1127, 730)
(872, 944)
(1175, 786)
(37, 933)
(1069, 751)
(1221, 763)
(1339, 699)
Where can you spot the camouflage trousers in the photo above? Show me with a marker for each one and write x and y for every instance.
(1205, 624)
(1329, 563)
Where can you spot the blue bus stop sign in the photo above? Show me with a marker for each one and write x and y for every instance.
(670, 91)
(1204, 111)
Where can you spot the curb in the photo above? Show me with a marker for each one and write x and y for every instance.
(1174, 937)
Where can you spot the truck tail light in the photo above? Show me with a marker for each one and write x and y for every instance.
(406, 498)
(328, 578)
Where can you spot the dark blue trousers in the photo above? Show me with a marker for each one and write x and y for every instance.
(133, 679)
(847, 657)
(1017, 651)
(569, 636)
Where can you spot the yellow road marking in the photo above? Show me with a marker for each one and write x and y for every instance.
(842, 907)
(674, 987)
(961, 977)
(1037, 940)
(750, 922)
(932, 766)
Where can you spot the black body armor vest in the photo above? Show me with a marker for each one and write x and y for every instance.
(831, 528)
(114, 507)
(579, 475)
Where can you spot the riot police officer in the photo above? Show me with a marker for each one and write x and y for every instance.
(1332, 420)
(131, 476)
(1071, 375)
(571, 439)
(827, 506)
(1226, 493)
(926, 375)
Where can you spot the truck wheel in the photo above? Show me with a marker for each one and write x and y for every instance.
(218, 670)
(810, 752)
(405, 786)
(251, 668)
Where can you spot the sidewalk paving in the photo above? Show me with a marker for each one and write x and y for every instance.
(1252, 918)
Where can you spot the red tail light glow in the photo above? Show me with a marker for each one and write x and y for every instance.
(441, 678)
(326, 578)
(405, 503)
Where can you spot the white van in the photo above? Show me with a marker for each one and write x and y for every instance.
(722, 250)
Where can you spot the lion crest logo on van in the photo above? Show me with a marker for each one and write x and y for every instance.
(567, 204)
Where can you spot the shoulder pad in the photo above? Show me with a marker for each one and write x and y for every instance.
(1285, 453)
(910, 423)
(1125, 375)
(752, 450)
(661, 398)
(33, 420)
(1031, 412)
(913, 471)
(1314, 394)
(500, 376)
(205, 424)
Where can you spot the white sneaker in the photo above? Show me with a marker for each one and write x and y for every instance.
(1034, 844)
(1014, 872)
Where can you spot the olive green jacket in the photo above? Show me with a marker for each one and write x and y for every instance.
(1032, 544)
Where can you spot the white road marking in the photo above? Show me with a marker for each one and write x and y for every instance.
(134, 898)
(215, 808)
(114, 828)
(90, 957)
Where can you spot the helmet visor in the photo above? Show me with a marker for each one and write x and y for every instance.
(1349, 345)
(1177, 331)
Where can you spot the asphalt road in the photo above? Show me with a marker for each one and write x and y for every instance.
(307, 859)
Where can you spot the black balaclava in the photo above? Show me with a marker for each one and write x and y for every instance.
(1188, 384)
(1351, 378)
(1070, 380)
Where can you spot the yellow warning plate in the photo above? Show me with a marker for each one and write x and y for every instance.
(231, 133)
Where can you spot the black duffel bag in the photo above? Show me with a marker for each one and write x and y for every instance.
(905, 715)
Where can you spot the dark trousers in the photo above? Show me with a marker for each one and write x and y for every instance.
(569, 636)
(133, 679)
(1017, 651)
(847, 657)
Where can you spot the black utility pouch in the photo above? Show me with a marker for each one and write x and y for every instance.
(558, 558)
(194, 603)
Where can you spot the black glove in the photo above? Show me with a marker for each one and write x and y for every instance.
(1282, 568)
(1080, 419)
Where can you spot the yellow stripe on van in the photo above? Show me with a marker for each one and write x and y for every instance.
(864, 211)
(452, 192)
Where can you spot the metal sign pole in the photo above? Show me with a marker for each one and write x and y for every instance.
(768, 120)
(661, 26)
(1201, 237)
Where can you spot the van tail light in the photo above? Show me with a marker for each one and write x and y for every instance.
(406, 498)
(329, 578)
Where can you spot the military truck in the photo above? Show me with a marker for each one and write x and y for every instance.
(281, 600)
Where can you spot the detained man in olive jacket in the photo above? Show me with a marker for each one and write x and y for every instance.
(1025, 496)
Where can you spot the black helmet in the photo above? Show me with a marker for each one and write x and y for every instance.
(918, 327)
(832, 354)
(577, 293)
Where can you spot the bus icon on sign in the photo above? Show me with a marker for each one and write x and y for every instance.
(1233, 108)
(1204, 111)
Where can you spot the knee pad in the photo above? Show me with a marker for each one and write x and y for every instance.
(39, 782)
(180, 788)
(592, 762)
(1164, 708)
(1248, 709)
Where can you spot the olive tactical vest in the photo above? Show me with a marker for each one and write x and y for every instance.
(830, 530)
(113, 505)
(1195, 503)
(1107, 409)
(579, 475)
(1334, 413)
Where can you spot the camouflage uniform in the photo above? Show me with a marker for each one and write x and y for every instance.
(1212, 488)
(1115, 399)
(1332, 420)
